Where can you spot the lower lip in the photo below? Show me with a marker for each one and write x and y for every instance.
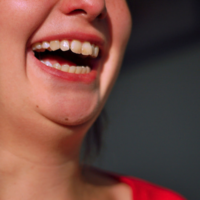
(72, 77)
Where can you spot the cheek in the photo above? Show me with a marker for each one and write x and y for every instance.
(19, 18)
(121, 23)
(120, 26)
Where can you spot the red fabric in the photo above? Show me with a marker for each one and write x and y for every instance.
(143, 190)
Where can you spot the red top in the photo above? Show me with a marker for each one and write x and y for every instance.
(143, 190)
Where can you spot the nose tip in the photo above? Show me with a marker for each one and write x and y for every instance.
(90, 9)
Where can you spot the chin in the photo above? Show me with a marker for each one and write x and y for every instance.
(69, 112)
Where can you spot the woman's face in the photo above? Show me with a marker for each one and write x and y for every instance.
(31, 89)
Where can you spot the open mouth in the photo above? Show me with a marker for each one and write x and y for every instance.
(68, 56)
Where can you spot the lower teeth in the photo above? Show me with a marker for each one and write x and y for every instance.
(67, 68)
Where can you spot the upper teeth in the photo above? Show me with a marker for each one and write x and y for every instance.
(84, 48)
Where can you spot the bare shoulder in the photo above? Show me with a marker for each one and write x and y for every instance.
(106, 186)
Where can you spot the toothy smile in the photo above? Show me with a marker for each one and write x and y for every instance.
(68, 56)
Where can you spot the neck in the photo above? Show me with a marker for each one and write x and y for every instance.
(40, 164)
(22, 179)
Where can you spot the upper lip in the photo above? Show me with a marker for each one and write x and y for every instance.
(92, 38)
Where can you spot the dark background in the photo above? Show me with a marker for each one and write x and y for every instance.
(154, 108)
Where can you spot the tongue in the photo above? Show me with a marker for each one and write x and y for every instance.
(57, 59)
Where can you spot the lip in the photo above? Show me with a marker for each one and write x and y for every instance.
(96, 39)
(92, 38)
(72, 77)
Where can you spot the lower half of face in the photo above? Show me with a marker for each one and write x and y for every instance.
(63, 97)
(33, 82)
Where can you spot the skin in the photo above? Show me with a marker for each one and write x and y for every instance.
(44, 119)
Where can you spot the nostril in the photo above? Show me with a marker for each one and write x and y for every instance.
(77, 11)
(103, 14)
(100, 16)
